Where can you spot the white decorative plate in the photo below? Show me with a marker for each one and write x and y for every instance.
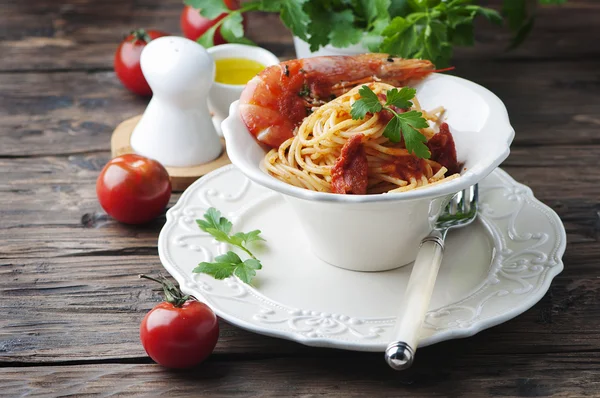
(492, 271)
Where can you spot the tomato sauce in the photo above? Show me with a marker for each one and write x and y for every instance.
(443, 150)
(405, 167)
(349, 174)
(385, 116)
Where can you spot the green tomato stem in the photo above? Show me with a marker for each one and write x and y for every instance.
(140, 35)
(172, 292)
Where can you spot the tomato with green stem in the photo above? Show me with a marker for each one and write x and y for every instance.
(179, 332)
(127, 60)
(195, 25)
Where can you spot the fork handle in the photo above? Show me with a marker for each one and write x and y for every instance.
(400, 353)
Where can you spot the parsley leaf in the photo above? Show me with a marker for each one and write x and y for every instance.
(431, 32)
(373, 39)
(406, 123)
(491, 15)
(404, 43)
(319, 27)
(399, 8)
(208, 8)
(294, 17)
(396, 26)
(415, 119)
(413, 139)
(463, 35)
(520, 20)
(515, 13)
(252, 236)
(330, 26)
(392, 130)
(369, 102)
(400, 99)
(230, 263)
(207, 40)
(214, 220)
(270, 5)
(344, 34)
(374, 10)
(222, 267)
(247, 270)
(232, 29)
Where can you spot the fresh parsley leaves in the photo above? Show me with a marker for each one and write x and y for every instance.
(413, 139)
(231, 26)
(406, 123)
(401, 98)
(368, 102)
(432, 32)
(292, 15)
(214, 221)
(230, 263)
(210, 8)
(427, 29)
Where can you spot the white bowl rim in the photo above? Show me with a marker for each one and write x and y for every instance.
(467, 179)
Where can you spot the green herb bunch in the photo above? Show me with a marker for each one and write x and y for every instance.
(427, 29)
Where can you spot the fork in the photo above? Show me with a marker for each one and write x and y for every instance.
(461, 211)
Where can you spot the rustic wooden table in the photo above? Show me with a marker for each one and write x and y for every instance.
(71, 301)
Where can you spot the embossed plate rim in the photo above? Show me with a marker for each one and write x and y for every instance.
(370, 342)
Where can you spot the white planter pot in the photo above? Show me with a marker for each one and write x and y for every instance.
(303, 49)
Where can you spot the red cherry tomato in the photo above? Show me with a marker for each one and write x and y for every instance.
(194, 25)
(133, 189)
(179, 337)
(127, 60)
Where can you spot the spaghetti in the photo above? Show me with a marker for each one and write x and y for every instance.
(325, 153)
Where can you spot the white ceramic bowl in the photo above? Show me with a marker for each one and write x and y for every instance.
(381, 232)
(222, 95)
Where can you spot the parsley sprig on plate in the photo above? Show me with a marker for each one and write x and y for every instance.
(230, 263)
(405, 123)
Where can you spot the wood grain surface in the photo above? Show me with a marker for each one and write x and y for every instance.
(70, 299)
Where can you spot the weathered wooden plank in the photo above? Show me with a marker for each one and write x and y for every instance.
(76, 112)
(454, 374)
(51, 36)
(66, 113)
(100, 302)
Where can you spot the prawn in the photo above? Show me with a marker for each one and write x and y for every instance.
(275, 101)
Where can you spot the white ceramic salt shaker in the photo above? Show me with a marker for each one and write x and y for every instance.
(176, 128)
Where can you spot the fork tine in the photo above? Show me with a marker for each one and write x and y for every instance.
(467, 198)
(473, 197)
(454, 203)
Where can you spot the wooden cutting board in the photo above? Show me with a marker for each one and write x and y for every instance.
(181, 177)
